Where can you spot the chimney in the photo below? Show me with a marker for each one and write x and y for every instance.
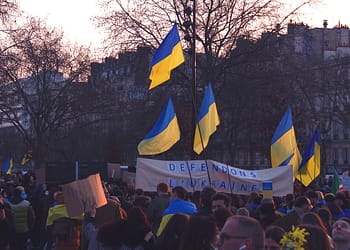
(325, 23)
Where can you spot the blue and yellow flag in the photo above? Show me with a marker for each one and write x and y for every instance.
(164, 134)
(310, 166)
(284, 149)
(8, 165)
(27, 157)
(207, 121)
(167, 57)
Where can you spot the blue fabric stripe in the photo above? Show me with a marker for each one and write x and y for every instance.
(285, 124)
(208, 100)
(310, 149)
(168, 114)
(166, 47)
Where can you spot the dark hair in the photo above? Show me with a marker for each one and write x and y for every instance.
(316, 239)
(311, 194)
(170, 237)
(313, 219)
(163, 187)
(220, 215)
(199, 234)
(222, 196)
(301, 201)
(180, 192)
(274, 233)
(206, 194)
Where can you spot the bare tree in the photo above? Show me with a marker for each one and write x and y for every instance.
(39, 73)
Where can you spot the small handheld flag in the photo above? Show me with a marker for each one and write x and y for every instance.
(8, 165)
(164, 134)
(207, 121)
(167, 57)
(27, 157)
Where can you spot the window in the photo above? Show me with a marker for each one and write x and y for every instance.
(335, 155)
(345, 155)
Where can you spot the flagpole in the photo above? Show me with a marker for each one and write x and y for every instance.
(194, 80)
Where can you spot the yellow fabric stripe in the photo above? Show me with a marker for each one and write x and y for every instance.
(208, 126)
(283, 148)
(161, 71)
(162, 142)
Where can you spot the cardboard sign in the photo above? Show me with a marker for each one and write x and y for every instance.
(82, 195)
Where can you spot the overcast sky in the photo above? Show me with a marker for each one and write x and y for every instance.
(74, 16)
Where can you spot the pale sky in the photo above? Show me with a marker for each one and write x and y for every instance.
(74, 16)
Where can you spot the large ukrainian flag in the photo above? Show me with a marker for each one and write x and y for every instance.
(284, 149)
(8, 165)
(164, 134)
(310, 166)
(207, 121)
(167, 57)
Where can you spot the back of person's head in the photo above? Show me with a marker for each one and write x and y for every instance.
(274, 233)
(206, 195)
(301, 201)
(325, 214)
(242, 211)
(137, 216)
(313, 219)
(180, 192)
(221, 215)
(247, 228)
(317, 238)
(139, 191)
(311, 194)
(222, 196)
(199, 234)
(163, 187)
(170, 237)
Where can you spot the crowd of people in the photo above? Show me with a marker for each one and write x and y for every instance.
(34, 216)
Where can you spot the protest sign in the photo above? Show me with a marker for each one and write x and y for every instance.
(83, 194)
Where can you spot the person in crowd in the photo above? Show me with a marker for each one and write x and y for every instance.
(205, 201)
(341, 233)
(266, 213)
(313, 197)
(326, 218)
(178, 204)
(200, 233)
(141, 200)
(334, 205)
(242, 211)
(158, 205)
(242, 232)
(24, 218)
(170, 237)
(220, 200)
(302, 205)
(7, 227)
(221, 215)
(316, 238)
(137, 231)
(312, 218)
(64, 231)
(253, 202)
(273, 236)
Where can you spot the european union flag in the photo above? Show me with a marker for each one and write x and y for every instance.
(8, 165)
(284, 149)
(167, 57)
(310, 166)
(207, 121)
(164, 134)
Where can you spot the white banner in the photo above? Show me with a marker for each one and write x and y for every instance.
(224, 178)
(346, 182)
